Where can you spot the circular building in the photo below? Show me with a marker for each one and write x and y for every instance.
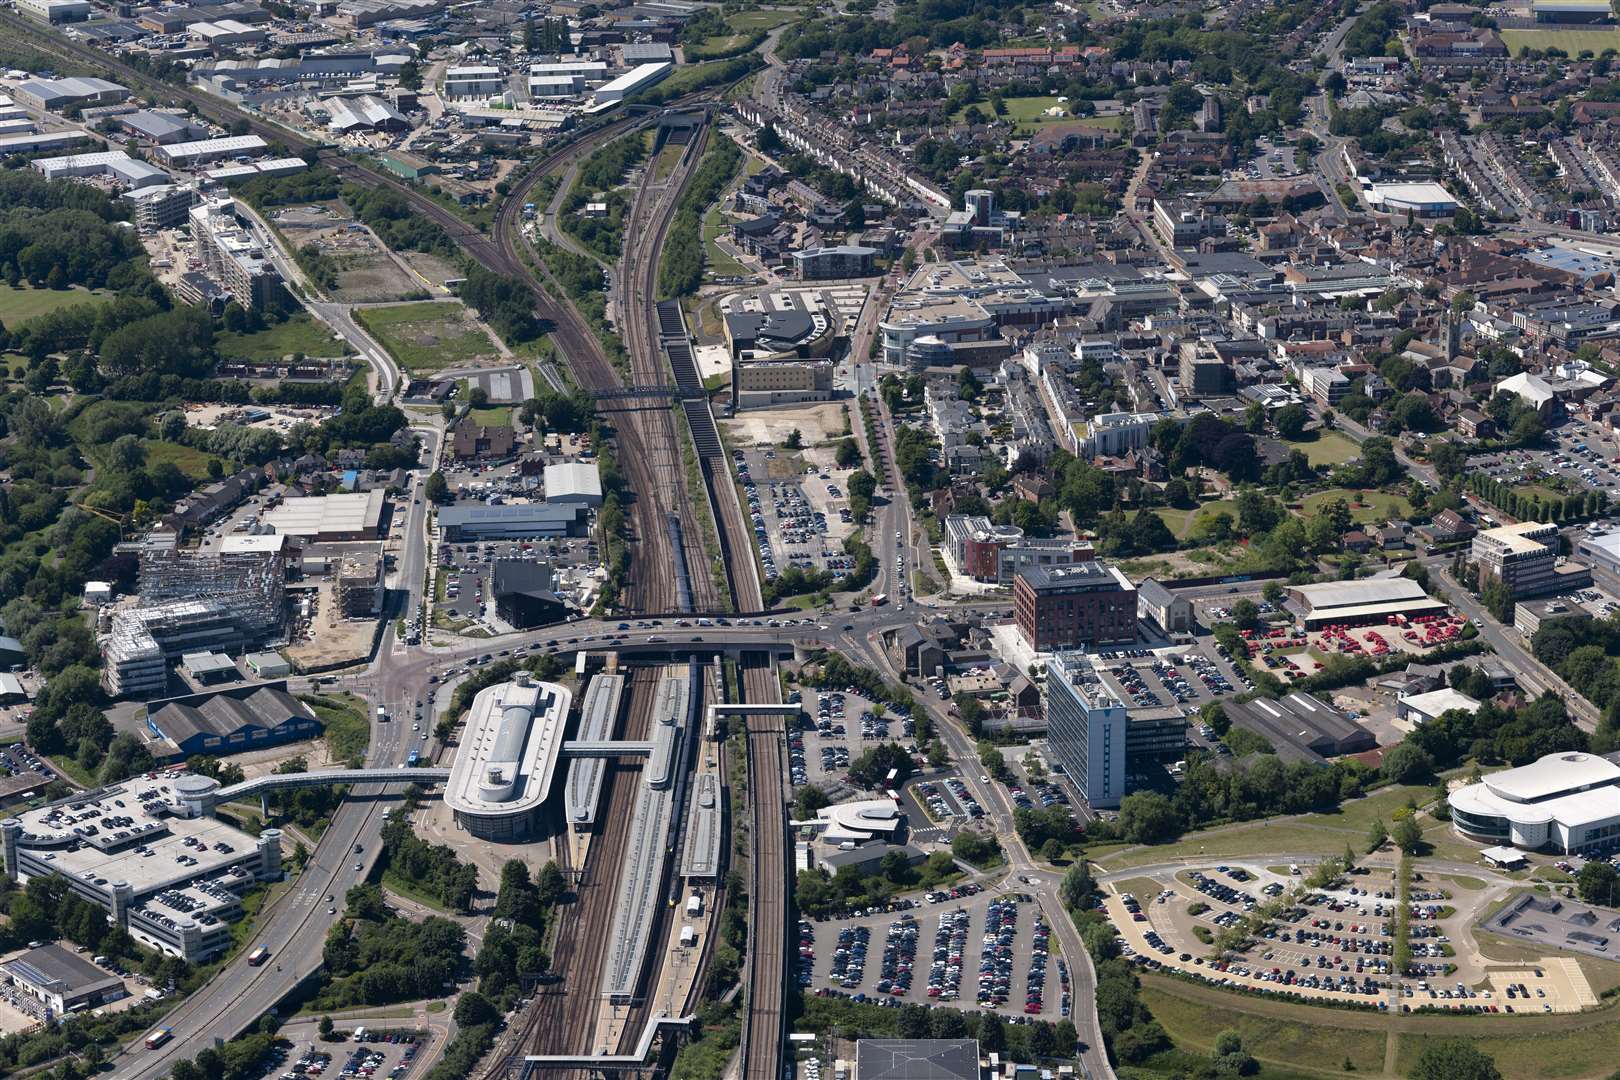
(508, 756)
(1567, 802)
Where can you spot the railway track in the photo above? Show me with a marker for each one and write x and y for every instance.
(768, 886)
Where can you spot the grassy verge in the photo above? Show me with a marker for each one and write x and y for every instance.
(299, 334)
(348, 724)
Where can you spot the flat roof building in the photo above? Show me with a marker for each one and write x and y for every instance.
(188, 155)
(507, 757)
(917, 1059)
(517, 521)
(1081, 603)
(173, 880)
(1086, 728)
(352, 516)
(637, 78)
(53, 95)
(56, 11)
(1566, 802)
(58, 982)
(1523, 557)
(1421, 708)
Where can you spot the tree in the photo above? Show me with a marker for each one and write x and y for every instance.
(549, 883)
(1598, 883)
(325, 1028)
(1408, 836)
(795, 440)
(1453, 1059)
(1052, 850)
(992, 1033)
(1290, 420)
(1408, 763)
(1229, 1056)
(1377, 835)
(437, 488)
(1077, 887)
(473, 1009)
(1147, 817)
(1246, 614)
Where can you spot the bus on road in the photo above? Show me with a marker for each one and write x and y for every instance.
(880, 599)
(158, 1038)
(258, 956)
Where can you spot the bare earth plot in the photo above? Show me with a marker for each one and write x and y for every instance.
(428, 337)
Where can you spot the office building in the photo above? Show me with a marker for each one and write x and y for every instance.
(1522, 557)
(1566, 802)
(526, 594)
(1086, 729)
(996, 553)
(1082, 603)
(1421, 708)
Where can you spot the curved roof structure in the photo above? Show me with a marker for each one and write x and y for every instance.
(509, 750)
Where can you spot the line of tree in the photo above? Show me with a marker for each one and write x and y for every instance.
(373, 956)
(680, 272)
(433, 868)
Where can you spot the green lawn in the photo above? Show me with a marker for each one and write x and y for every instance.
(493, 416)
(1181, 522)
(1275, 1041)
(1026, 113)
(1522, 1055)
(299, 334)
(1107, 123)
(748, 21)
(1366, 506)
(188, 459)
(21, 304)
(716, 259)
(1324, 834)
(1327, 448)
(348, 724)
(427, 337)
(1571, 41)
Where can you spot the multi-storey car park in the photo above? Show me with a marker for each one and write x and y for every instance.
(173, 878)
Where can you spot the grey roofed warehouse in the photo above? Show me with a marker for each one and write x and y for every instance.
(1301, 727)
(917, 1059)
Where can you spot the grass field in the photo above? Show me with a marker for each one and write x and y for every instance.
(1526, 1056)
(1327, 448)
(1181, 522)
(1107, 123)
(1026, 113)
(427, 337)
(1571, 41)
(299, 334)
(1290, 1045)
(1325, 834)
(748, 21)
(715, 258)
(188, 459)
(21, 304)
(1365, 506)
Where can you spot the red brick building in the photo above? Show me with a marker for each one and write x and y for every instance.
(1084, 603)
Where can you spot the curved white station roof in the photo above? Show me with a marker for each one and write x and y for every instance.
(509, 749)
